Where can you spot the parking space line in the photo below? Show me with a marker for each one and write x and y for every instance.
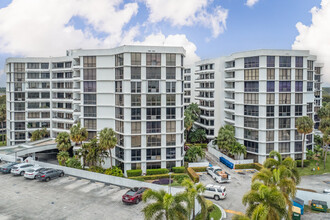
(234, 212)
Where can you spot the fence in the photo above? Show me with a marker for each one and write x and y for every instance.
(218, 154)
(306, 196)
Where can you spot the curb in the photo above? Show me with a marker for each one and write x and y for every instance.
(223, 212)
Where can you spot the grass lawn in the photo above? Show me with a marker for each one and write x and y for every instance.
(3, 144)
(216, 213)
(308, 170)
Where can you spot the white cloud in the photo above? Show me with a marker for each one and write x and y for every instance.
(250, 3)
(316, 36)
(188, 13)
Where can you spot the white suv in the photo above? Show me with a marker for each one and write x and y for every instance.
(216, 192)
(19, 169)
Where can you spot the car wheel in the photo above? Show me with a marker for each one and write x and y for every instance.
(22, 173)
(61, 174)
(217, 198)
(47, 179)
(137, 201)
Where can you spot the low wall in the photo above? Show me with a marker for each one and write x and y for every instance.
(9, 158)
(306, 196)
(199, 164)
(218, 154)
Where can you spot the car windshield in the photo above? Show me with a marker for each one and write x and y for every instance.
(130, 193)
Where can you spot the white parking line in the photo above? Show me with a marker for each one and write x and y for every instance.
(91, 187)
(76, 184)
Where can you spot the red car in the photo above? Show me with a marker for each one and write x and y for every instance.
(134, 196)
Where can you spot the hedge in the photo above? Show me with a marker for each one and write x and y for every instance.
(306, 163)
(193, 175)
(203, 145)
(199, 169)
(178, 169)
(131, 173)
(157, 171)
(161, 176)
(256, 166)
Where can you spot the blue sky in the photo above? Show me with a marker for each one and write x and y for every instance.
(206, 28)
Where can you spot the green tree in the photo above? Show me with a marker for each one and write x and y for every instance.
(226, 138)
(73, 162)
(3, 117)
(164, 206)
(265, 202)
(237, 149)
(36, 135)
(193, 192)
(78, 134)
(194, 111)
(326, 141)
(197, 135)
(94, 153)
(62, 157)
(310, 155)
(193, 153)
(304, 126)
(63, 141)
(324, 115)
(318, 140)
(191, 114)
(108, 141)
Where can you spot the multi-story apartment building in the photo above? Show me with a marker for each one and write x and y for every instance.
(260, 93)
(136, 90)
(189, 85)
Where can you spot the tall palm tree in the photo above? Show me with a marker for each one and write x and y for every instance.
(326, 142)
(63, 141)
(304, 126)
(164, 206)
(3, 117)
(265, 202)
(238, 149)
(188, 123)
(108, 141)
(36, 135)
(94, 152)
(194, 152)
(78, 134)
(191, 193)
(226, 138)
(62, 156)
(324, 115)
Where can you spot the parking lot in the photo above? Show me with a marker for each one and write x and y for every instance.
(63, 198)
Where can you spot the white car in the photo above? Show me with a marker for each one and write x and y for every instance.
(210, 170)
(326, 191)
(19, 169)
(32, 172)
(218, 174)
(216, 192)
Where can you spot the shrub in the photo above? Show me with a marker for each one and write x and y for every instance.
(73, 163)
(96, 169)
(131, 173)
(115, 171)
(180, 178)
(306, 163)
(160, 176)
(199, 169)
(157, 171)
(178, 169)
(203, 145)
(256, 166)
(193, 175)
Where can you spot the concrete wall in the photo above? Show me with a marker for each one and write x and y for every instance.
(306, 196)
(199, 164)
(219, 154)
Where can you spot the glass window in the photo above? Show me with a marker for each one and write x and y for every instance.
(251, 146)
(298, 110)
(251, 86)
(170, 72)
(170, 153)
(250, 62)
(284, 135)
(299, 74)
(153, 72)
(136, 155)
(299, 61)
(44, 65)
(310, 64)
(89, 111)
(154, 154)
(170, 126)
(153, 86)
(89, 86)
(119, 113)
(135, 72)
(170, 113)
(33, 66)
(154, 127)
(270, 111)
(136, 127)
(309, 86)
(135, 58)
(285, 61)
(119, 86)
(90, 124)
(270, 86)
(170, 87)
(251, 134)
(299, 86)
(170, 59)
(19, 67)
(153, 100)
(154, 140)
(284, 110)
(310, 107)
(269, 147)
(285, 74)
(135, 100)
(153, 59)
(251, 110)
(270, 98)
(269, 135)
(285, 86)
(89, 61)
(270, 123)
(284, 123)
(119, 59)
(90, 99)
(170, 139)
(119, 73)
(135, 87)
(135, 114)
(136, 141)
(285, 98)
(170, 100)
(153, 113)
(251, 74)
(270, 74)
(284, 147)
(251, 122)
(270, 61)
(298, 146)
(299, 98)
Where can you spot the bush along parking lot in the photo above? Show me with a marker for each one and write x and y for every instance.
(256, 166)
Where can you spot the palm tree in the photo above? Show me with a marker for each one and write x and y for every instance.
(94, 153)
(326, 141)
(304, 126)
(62, 156)
(226, 138)
(324, 115)
(194, 152)
(44, 133)
(188, 123)
(191, 193)
(238, 149)
(63, 141)
(197, 135)
(265, 202)
(165, 206)
(108, 141)
(78, 134)
(36, 135)
(3, 118)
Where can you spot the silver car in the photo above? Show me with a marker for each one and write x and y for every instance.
(19, 169)
(31, 173)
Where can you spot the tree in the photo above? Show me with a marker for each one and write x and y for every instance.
(226, 138)
(194, 111)
(3, 117)
(310, 155)
(78, 134)
(93, 153)
(191, 114)
(44, 133)
(265, 202)
(108, 141)
(304, 126)
(63, 141)
(62, 156)
(238, 149)
(191, 193)
(164, 206)
(36, 135)
(197, 135)
(324, 115)
(326, 141)
(193, 153)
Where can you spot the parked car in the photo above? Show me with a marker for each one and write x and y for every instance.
(326, 191)
(134, 195)
(31, 173)
(19, 169)
(49, 174)
(218, 174)
(216, 192)
(211, 169)
(6, 168)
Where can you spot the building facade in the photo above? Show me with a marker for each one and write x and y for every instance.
(136, 90)
(189, 85)
(260, 93)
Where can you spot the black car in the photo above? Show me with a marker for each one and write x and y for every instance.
(49, 174)
(6, 168)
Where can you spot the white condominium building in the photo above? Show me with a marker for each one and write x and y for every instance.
(136, 90)
(260, 93)
(189, 85)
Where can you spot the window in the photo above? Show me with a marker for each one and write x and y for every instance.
(170, 153)
(309, 64)
(135, 58)
(135, 87)
(89, 74)
(90, 99)
(90, 124)
(251, 86)
(285, 98)
(154, 140)
(19, 77)
(284, 123)
(89, 61)
(45, 114)
(270, 98)
(170, 72)
(298, 146)
(251, 134)
(119, 113)
(155, 165)
(269, 135)
(153, 113)
(299, 98)
(135, 100)
(153, 59)
(251, 146)
(89, 86)
(119, 73)
(135, 114)
(251, 122)
(44, 65)
(119, 99)
(153, 72)
(33, 66)
(19, 67)
(309, 86)
(269, 147)
(310, 107)
(299, 86)
(270, 111)
(58, 65)
(299, 61)
(285, 74)
(19, 115)
(153, 86)
(270, 61)
(170, 113)
(170, 100)
(170, 87)
(270, 74)
(119, 59)
(135, 72)
(136, 127)
(153, 100)
(251, 98)
(89, 111)
(31, 115)
(251, 74)
(251, 110)
(33, 75)
(170, 139)
(298, 110)
(154, 127)
(19, 106)
(285, 86)
(136, 141)
(136, 155)
(299, 74)
(154, 154)
(284, 147)
(270, 123)
(251, 62)
(170, 126)
(270, 86)
(119, 86)
(119, 152)
(284, 135)
(284, 110)
(171, 59)
(31, 95)
(285, 61)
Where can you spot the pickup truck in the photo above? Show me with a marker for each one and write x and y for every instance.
(218, 174)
